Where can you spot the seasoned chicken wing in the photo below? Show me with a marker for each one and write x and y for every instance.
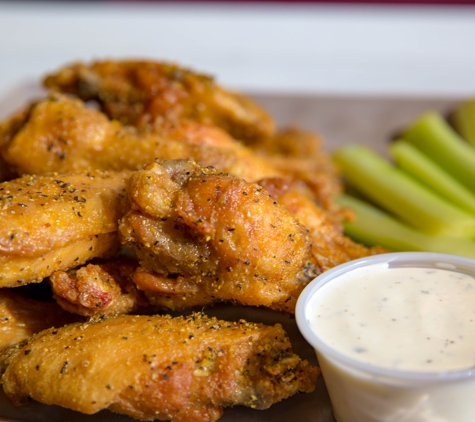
(61, 134)
(202, 236)
(144, 93)
(21, 317)
(58, 221)
(158, 367)
(147, 94)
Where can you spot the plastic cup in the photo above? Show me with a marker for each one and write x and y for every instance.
(362, 392)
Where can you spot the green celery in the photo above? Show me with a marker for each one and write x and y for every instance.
(418, 165)
(374, 227)
(432, 135)
(463, 120)
(401, 194)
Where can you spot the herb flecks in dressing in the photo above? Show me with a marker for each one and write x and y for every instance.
(413, 319)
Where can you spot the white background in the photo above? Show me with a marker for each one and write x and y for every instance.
(303, 49)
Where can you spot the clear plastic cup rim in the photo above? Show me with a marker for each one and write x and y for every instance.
(408, 259)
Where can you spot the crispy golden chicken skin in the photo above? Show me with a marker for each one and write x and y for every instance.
(61, 134)
(144, 93)
(21, 317)
(58, 221)
(158, 367)
(299, 155)
(202, 236)
(330, 247)
(99, 289)
(147, 94)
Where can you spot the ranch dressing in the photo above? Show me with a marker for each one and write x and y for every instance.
(395, 337)
(409, 319)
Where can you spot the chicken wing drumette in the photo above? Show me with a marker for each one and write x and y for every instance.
(170, 368)
(202, 236)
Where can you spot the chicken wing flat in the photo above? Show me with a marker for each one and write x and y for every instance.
(58, 221)
(144, 93)
(61, 134)
(97, 290)
(21, 317)
(158, 367)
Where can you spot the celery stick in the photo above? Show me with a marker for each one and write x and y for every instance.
(418, 165)
(463, 119)
(374, 227)
(401, 194)
(432, 135)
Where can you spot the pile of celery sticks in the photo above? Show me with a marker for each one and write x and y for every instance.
(424, 198)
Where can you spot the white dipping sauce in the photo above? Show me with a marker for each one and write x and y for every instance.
(395, 337)
(409, 319)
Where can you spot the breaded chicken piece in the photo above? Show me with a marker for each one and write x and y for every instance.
(58, 221)
(21, 317)
(158, 367)
(99, 289)
(61, 134)
(144, 93)
(202, 236)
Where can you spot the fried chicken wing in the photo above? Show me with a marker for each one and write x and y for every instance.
(96, 290)
(202, 236)
(158, 367)
(21, 317)
(144, 93)
(58, 221)
(61, 134)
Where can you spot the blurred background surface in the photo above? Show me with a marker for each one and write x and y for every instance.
(278, 51)
(263, 46)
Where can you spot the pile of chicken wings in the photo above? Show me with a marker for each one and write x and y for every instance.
(138, 188)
